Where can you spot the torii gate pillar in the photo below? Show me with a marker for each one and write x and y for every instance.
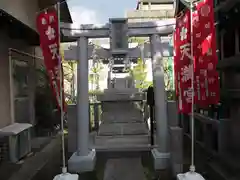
(161, 155)
(84, 159)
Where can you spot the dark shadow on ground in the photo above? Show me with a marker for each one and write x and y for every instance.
(8, 168)
(53, 167)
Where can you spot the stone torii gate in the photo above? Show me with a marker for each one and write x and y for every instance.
(118, 30)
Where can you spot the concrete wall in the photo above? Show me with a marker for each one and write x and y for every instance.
(5, 44)
(150, 12)
(23, 10)
(148, 15)
(39, 61)
(72, 128)
(156, 6)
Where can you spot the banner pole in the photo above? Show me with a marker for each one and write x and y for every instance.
(192, 174)
(192, 167)
(64, 168)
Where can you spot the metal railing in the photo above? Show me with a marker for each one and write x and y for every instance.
(4, 150)
(220, 111)
(211, 133)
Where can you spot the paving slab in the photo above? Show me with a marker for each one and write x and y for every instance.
(124, 169)
(123, 129)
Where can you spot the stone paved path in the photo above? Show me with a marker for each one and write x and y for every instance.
(124, 169)
(123, 128)
(32, 165)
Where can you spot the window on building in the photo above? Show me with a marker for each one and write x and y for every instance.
(238, 30)
(21, 77)
(221, 1)
(229, 43)
(145, 6)
(118, 69)
(219, 42)
(157, 6)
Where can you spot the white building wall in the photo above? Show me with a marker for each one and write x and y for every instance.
(149, 70)
(157, 7)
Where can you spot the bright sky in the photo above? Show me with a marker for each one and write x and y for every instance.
(99, 11)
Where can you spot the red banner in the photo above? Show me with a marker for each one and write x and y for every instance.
(204, 43)
(48, 28)
(183, 67)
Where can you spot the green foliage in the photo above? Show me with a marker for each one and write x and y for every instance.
(95, 92)
(45, 102)
(168, 74)
(171, 95)
(139, 40)
(69, 68)
(139, 74)
(71, 100)
(94, 78)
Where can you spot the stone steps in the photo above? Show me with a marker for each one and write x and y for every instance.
(122, 143)
(121, 105)
(121, 90)
(124, 117)
(123, 129)
(121, 97)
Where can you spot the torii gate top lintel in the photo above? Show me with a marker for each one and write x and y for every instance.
(118, 29)
(161, 27)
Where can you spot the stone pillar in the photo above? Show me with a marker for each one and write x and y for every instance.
(176, 139)
(161, 154)
(223, 136)
(72, 127)
(84, 159)
(234, 125)
(109, 80)
(82, 98)
(32, 88)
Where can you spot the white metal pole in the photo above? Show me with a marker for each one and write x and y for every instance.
(64, 175)
(64, 168)
(191, 175)
(192, 167)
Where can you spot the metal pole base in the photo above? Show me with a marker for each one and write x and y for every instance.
(66, 176)
(190, 176)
